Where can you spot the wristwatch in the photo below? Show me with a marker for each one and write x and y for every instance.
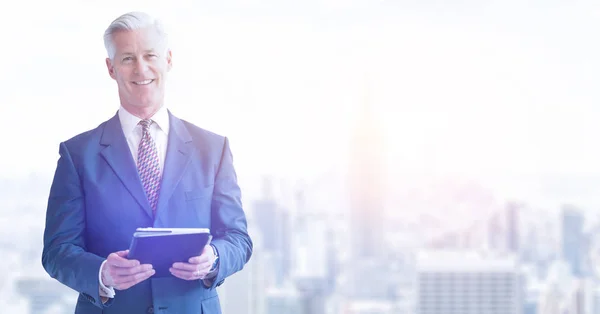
(216, 262)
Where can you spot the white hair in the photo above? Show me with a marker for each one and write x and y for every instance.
(128, 22)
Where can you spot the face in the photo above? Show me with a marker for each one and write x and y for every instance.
(140, 67)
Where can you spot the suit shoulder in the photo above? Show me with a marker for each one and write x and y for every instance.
(199, 133)
(85, 137)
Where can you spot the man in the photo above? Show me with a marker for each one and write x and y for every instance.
(142, 168)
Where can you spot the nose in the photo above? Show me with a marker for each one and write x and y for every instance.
(141, 66)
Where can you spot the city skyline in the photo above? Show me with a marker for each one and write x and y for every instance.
(486, 114)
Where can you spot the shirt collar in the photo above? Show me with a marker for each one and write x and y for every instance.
(129, 122)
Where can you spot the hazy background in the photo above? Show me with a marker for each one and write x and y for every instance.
(499, 97)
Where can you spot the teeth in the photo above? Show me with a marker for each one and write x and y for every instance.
(146, 82)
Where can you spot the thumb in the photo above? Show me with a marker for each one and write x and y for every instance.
(122, 253)
(120, 259)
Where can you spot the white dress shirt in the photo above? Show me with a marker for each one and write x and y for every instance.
(159, 131)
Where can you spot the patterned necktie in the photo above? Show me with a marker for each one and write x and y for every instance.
(148, 165)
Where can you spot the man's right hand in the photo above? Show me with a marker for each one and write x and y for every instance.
(122, 273)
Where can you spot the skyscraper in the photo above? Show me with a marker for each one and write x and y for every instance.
(512, 227)
(274, 223)
(311, 268)
(367, 185)
(573, 239)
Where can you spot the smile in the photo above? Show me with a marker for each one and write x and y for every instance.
(146, 82)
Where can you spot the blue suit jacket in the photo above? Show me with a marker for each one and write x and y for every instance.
(97, 201)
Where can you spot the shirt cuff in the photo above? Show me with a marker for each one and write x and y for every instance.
(210, 277)
(106, 292)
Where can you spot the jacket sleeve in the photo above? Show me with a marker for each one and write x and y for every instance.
(64, 256)
(228, 220)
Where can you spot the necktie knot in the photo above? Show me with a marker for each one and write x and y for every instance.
(145, 123)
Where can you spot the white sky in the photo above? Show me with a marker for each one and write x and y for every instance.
(488, 87)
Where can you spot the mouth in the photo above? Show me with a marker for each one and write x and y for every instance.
(145, 82)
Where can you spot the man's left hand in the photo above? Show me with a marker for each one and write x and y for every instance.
(197, 267)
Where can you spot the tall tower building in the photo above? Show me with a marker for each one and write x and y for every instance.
(274, 223)
(512, 227)
(367, 184)
(572, 221)
(311, 268)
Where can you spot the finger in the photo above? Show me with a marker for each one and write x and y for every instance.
(187, 275)
(123, 253)
(182, 274)
(185, 266)
(133, 277)
(125, 271)
(131, 283)
(116, 260)
(126, 282)
(191, 267)
(204, 258)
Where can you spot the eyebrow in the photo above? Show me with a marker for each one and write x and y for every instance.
(145, 51)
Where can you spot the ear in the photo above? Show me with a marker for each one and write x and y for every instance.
(111, 68)
(169, 60)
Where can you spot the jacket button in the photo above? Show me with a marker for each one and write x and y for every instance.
(150, 310)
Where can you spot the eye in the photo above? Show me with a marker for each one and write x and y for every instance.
(152, 55)
(128, 58)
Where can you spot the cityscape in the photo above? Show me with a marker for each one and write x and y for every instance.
(394, 157)
(359, 254)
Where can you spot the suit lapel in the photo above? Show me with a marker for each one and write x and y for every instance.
(179, 152)
(118, 156)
